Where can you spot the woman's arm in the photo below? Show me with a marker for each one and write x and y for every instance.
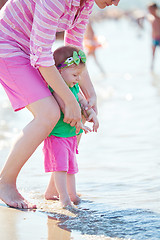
(88, 90)
(89, 114)
(72, 112)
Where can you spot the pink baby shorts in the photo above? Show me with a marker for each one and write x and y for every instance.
(60, 154)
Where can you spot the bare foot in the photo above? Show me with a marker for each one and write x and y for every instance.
(51, 195)
(11, 197)
(65, 201)
(53, 198)
(75, 199)
(72, 209)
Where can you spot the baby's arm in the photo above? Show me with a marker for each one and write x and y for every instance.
(59, 101)
(83, 103)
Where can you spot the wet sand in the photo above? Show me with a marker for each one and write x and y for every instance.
(16, 224)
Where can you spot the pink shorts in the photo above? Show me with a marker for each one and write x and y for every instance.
(60, 154)
(22, 83)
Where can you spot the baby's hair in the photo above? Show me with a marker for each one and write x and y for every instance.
(153, 5)
(62, 53)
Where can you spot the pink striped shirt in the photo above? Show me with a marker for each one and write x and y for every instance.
(28, 27)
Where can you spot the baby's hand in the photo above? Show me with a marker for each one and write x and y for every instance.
(85, 128)
(92, 117)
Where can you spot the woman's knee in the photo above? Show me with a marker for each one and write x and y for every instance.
(50, 116)
(46, 111)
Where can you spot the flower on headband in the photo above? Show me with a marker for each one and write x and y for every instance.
(69, 60)
(77, 57)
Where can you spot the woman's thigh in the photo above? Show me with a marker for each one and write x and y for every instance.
(46, 108)
(23, 83)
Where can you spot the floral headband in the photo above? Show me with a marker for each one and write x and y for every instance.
(77, 57)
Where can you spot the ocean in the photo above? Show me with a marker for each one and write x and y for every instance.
(126, 4)
(119, 165)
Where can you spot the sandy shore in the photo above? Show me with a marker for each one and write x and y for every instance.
(39, 225)
(24, 225)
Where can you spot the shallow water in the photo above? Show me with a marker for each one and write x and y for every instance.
(119, 166)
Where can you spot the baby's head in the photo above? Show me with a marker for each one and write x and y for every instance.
(70, 62)
(152, 8)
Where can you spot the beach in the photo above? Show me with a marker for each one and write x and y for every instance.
(118, 167)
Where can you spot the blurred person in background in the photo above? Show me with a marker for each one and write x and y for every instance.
(91, 44)
(154, 19)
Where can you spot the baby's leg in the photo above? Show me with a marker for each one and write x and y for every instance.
(71, 185)
(61, 185)
(51, 191)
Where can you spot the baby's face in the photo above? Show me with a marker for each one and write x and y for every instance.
(104, 3)
(72, 74)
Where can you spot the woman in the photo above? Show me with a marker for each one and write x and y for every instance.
(27, 34)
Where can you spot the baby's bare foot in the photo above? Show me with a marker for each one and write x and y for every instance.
(72, 209)
(75, 199)
(65, 201)
(11, 197)
(54, 198)
(51, 194)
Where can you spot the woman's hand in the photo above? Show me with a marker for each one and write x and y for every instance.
(72, 115)
(92, 103)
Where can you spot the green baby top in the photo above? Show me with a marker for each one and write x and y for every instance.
(63, 129)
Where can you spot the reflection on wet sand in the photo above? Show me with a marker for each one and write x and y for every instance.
(55, 231)
(23, 225)
(8, 229)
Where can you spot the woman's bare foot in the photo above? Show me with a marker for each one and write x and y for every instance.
(11, 197)
(75, 199)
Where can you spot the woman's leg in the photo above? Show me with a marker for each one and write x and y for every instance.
(46, 114)
(61, 185)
